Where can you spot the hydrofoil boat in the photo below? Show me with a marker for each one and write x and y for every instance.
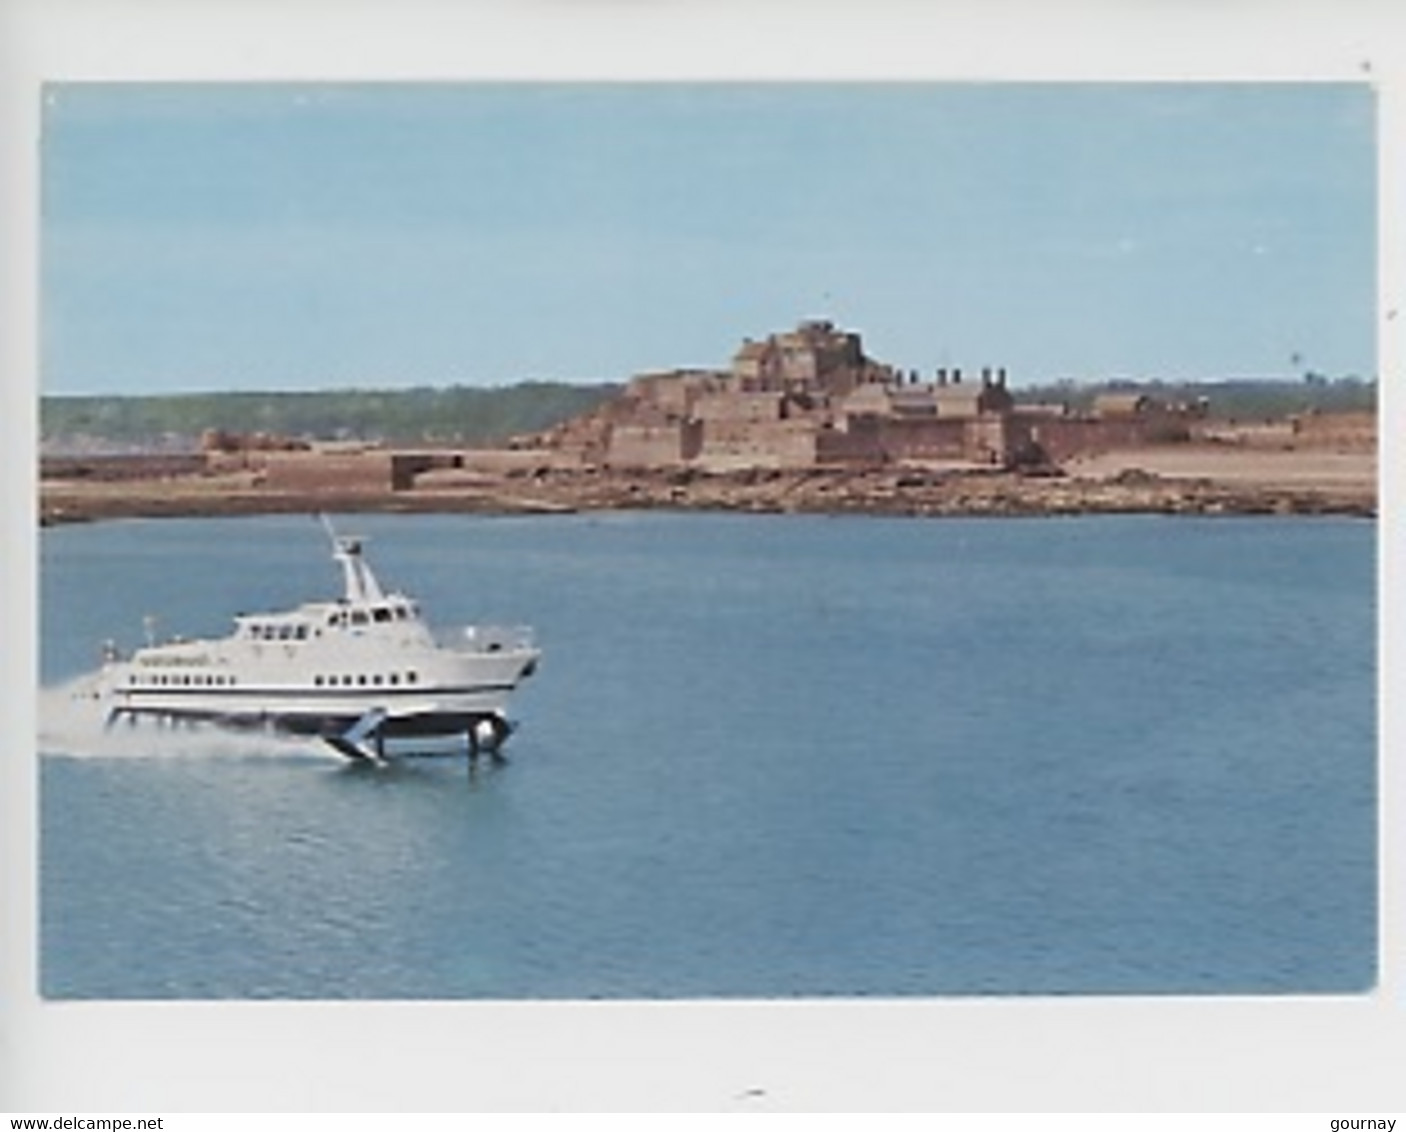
(358, 672)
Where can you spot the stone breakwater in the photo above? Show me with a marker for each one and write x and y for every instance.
(813, 491)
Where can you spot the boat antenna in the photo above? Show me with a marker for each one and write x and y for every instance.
(361, 584)
(328, 527)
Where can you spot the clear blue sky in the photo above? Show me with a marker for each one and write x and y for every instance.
(304, 236)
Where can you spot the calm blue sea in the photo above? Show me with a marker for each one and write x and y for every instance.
(764, 756)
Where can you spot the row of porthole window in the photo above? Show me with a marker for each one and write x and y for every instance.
(185, 680)
(363, 680)
(219, 680)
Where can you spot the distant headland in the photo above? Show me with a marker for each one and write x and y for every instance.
(802, 420)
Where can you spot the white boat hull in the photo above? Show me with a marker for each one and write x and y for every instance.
(450, 695)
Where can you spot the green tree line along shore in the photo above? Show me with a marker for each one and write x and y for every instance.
(451, 415)
(1243, 400)
(484, 416)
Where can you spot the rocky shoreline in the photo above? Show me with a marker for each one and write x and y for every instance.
(892, 492)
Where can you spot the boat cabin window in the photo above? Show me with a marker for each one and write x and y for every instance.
(358, 617)
(301, 633)
(400, 613)
(381, 613)
(285, 632)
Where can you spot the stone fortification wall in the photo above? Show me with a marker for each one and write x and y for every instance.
(654, 445)
(675, 392)
(383, 469)
(331, 472)
(120, 467)
(501, 461)
(731, 408)
(584, 440)
(468, 465)
(924, 439)
(776, 444)
(986, 440)
(860, 443)
(994, 440)
(1060, 438)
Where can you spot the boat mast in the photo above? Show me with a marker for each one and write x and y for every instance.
(361, 583)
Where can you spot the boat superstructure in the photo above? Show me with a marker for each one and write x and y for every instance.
(356, 671)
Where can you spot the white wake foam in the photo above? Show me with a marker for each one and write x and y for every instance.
(73, 723)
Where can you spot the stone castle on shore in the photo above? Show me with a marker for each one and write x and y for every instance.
(812, 397)
(805, 398)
